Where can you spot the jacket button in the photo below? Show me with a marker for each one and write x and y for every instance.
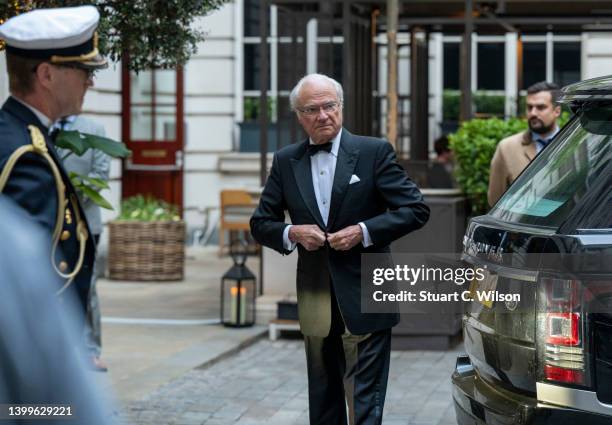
(63, 266)
(65, 235)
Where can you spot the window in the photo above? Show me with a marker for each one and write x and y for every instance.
(534, 63)
(566, 60)
(451, 66)
(491, 66)
(153, 105)
(251, 66)
(563, 174)
(251, 18)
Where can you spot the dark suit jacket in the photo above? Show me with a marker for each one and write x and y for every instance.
(32, 186)
(385, 200)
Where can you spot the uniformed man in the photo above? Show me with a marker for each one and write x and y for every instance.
(51, 55)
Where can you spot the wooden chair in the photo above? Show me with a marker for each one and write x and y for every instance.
(237, 206)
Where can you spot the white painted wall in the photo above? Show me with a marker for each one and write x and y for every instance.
(213, 106)
(596, 55)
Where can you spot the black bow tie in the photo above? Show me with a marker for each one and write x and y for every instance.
(313, 149)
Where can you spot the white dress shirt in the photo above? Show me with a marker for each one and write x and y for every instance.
(323, 168)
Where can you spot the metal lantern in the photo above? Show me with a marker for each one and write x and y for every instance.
(238, 290)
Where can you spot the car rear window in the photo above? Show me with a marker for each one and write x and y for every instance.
(572, 167)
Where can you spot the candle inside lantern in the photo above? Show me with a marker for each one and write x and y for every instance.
(233, 304)
(243, 303)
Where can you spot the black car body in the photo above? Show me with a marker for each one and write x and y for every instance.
(549, 238)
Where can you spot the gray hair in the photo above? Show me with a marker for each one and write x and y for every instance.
(312, 78)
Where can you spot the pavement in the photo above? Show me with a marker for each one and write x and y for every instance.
(170, 362)
(265, 383)
(154, 332)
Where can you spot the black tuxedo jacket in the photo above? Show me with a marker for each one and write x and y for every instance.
(385, 200)
(32, 186)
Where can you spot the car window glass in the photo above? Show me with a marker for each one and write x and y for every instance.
(575, 164)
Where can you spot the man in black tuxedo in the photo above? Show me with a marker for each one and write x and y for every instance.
(346, 195)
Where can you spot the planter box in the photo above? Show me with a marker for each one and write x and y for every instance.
(249, 136)
(146, 251)
(433, 327)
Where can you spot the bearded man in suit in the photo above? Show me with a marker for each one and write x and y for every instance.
(346, 196)
(513, 154)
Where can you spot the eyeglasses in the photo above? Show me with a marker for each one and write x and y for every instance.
(91, 73)
(328, 108)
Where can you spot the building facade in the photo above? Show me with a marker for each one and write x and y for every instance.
(219, 92)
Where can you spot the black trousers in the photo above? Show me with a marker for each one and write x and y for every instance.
(347, 374)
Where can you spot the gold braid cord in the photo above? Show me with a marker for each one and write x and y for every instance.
(39, 147)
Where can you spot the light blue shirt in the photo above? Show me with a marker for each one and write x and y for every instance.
(323, 168)
(540, 142)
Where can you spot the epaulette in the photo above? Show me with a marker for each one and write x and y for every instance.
(39, 147)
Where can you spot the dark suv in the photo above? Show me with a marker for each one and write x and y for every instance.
(549, 238)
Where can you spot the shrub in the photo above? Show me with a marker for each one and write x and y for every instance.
(147, 208)
(484, 103)
(473, 146)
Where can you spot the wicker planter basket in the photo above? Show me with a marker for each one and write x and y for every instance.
(146, 251)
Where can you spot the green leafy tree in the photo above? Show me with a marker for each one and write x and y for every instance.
(151, 33)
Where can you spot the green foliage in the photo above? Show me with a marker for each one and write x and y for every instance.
(78, 143)
(90, 188)
(490, 104)
(251, 108)
(451, 102)
(484, 103)
(147, 208)
(473, 146)
(153, 33)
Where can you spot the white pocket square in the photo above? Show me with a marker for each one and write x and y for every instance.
(354, 179)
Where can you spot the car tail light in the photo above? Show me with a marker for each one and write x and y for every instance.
(560, 374)
(563, 328)
(563, 357)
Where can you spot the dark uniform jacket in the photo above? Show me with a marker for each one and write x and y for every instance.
(32, 186)
(385, 200)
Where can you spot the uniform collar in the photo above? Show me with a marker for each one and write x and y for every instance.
(44, 120)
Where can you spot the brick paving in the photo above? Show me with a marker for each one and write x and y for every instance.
(266, 384)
